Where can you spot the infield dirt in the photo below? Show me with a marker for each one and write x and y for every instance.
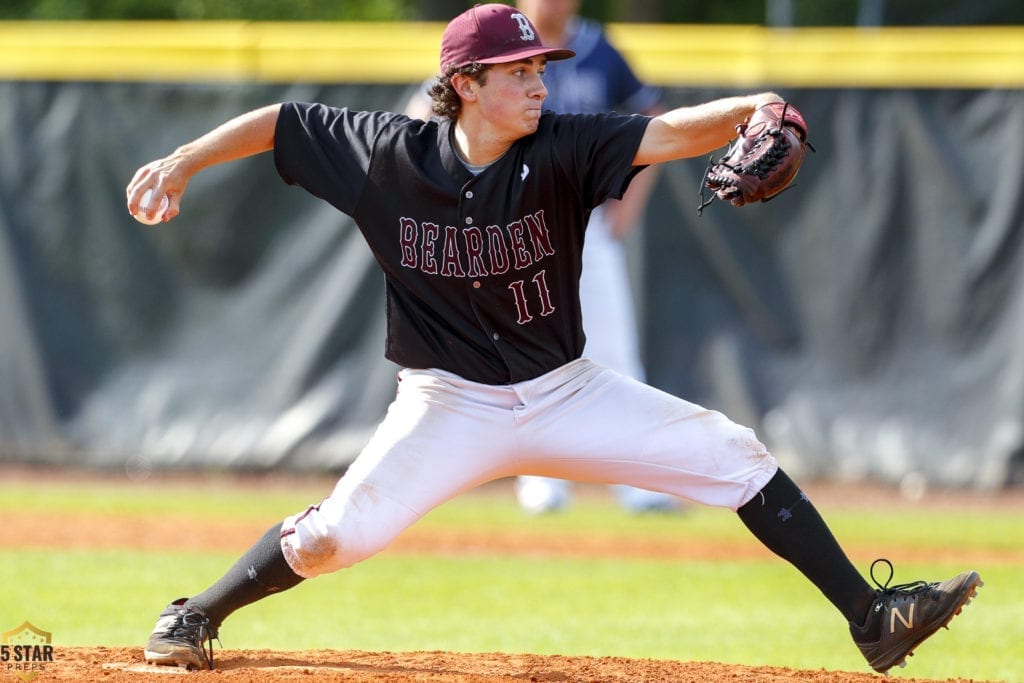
(121, 665)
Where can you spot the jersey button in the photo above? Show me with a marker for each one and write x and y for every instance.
(469, 194)
(476, 284)
(469, 220)
(495, 336)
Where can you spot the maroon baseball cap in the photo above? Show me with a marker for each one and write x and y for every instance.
(493, 34)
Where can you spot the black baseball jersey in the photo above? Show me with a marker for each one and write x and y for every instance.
(481, 271)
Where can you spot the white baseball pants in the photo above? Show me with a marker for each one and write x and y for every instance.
(444, 435)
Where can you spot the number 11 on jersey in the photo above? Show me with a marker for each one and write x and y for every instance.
(544, 294)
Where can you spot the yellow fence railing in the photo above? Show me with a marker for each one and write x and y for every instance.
(664, 54)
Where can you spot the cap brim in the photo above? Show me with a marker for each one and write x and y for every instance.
(552, 53)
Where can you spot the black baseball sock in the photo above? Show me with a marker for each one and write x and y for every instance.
(260, 572)
(783, 518)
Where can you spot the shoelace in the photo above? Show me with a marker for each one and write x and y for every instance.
(902, 588)
(195, 628)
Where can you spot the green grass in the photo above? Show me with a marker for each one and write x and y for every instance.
(745, 611)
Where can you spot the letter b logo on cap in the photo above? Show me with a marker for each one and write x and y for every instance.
(525, 29)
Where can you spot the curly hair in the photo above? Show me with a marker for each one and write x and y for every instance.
(444, 100)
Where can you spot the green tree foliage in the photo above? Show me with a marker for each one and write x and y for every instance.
(802, 12)
(252, 10)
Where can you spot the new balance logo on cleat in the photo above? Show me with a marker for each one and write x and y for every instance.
(905, 615)
(907, 623)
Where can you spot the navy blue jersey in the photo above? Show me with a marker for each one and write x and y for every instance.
(481, 271)
(598, 79)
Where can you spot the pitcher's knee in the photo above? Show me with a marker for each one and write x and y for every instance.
(312, 547)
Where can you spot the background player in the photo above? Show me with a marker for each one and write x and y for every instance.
(477, 221)
(598, 79)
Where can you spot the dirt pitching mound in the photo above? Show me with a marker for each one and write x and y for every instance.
(115, 665)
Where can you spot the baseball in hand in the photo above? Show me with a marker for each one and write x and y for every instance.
(158, 216)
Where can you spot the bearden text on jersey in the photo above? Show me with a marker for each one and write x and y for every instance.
(474, 251)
